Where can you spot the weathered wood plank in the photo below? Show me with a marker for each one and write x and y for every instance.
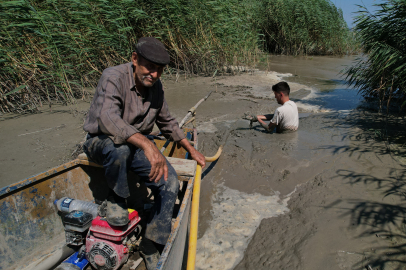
(183, 167)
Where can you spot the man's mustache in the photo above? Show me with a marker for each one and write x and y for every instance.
(147, 76)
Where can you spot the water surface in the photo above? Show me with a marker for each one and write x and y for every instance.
(321, 73)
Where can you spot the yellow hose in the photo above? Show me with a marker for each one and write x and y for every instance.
(194, 217)
(191, 260)
(216, 156)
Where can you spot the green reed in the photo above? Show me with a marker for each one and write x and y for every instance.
(50, 50)
(380, 73)
(305, 27)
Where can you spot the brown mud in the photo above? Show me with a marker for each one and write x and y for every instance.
(330, 196)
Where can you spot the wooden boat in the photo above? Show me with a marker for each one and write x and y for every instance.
(32, 235)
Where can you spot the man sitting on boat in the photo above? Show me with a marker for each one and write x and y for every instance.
(129, 100)
(285, 118)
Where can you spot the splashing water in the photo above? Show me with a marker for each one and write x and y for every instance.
(236, 216)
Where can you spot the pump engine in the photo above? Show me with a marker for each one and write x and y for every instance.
(108, 247)
(76, 224)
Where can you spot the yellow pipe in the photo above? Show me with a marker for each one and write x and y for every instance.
(216, 156)
(194, 217)
(191, 260)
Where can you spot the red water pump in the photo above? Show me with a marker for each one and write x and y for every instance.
(108, 247)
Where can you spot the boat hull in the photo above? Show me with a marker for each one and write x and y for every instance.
(31, 228)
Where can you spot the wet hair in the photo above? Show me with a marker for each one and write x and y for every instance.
(281, 87)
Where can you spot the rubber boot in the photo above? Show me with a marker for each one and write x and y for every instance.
(116, 211)
(149, 253)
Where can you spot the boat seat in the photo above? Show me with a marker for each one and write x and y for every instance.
(183, 167)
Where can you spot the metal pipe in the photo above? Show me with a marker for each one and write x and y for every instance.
(53, 259)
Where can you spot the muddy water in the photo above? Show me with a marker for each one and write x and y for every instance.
(33, 143)
(286, 201)
(323, 74)
(305, 200)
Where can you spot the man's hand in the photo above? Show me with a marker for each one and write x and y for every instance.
(251, 117)
(264, 125)
(154, 156)
(158, 164)
(196, 155)
(269, 127)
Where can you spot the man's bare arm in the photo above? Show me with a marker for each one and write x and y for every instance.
(154, 156)
(261, 119)
(268, 127)
(196, 155)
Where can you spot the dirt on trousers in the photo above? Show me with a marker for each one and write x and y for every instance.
(329, 196)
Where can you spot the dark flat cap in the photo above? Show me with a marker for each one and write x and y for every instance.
(153, 50)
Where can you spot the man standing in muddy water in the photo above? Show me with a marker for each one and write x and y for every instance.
(129, 100)
(285, 118)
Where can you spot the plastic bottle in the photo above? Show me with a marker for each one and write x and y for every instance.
(68, 205)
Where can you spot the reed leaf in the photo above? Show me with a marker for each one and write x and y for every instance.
(380, 74)
(15, 90)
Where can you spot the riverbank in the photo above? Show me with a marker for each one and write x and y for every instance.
(329, 196)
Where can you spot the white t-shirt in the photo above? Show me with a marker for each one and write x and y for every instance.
(286, 117)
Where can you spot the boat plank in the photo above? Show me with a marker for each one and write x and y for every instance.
(183, 167)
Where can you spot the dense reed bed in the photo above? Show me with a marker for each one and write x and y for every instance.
(380, 74)
(51, 50)
(305, 27)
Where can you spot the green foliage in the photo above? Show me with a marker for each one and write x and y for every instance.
(381, 72)
(55, 48)
(305, 27)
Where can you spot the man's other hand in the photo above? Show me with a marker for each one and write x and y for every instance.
(158, 164)
(154, 156)
(250, 117)
(196, 155)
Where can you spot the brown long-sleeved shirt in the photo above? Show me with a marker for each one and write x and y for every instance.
(118, 108)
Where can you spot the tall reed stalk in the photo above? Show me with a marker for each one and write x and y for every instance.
(50, 50)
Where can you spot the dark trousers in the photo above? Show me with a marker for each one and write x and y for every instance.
(117, 160)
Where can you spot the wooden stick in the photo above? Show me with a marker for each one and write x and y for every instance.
(193, 109)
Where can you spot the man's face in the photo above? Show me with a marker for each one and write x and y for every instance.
(146, 72)
(278, 97)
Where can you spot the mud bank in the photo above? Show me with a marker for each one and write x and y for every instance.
(333, 191)
(344, 213)
(329, 196)
(33, 143)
